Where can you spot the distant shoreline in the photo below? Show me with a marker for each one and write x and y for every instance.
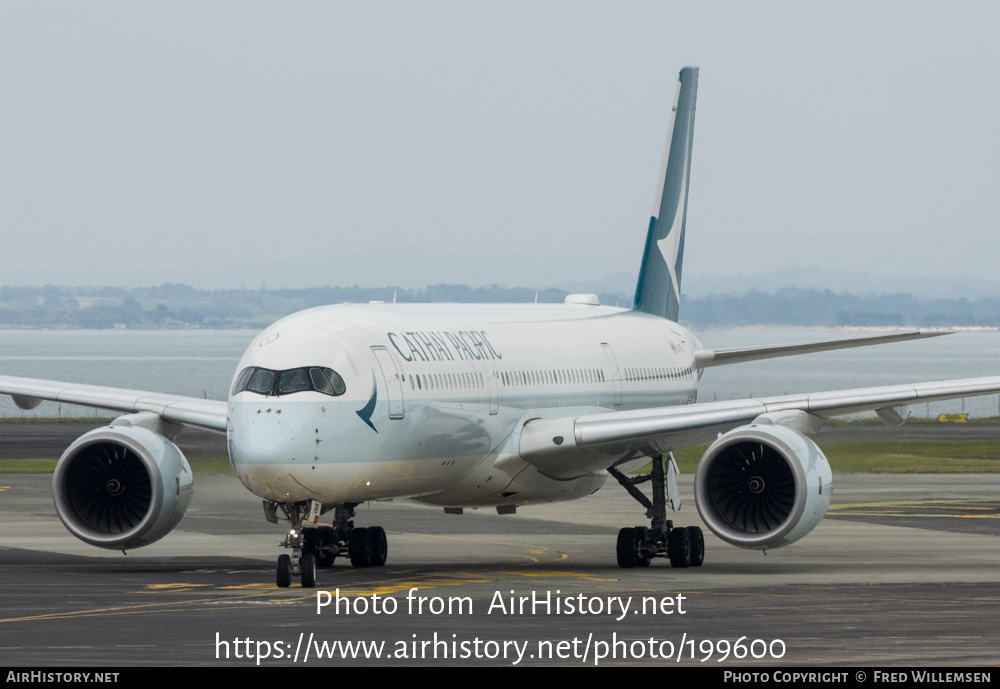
(178, 306)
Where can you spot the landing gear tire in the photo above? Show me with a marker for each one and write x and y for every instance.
(359, 548)
(683, 546)
(679, 548)
(626, 548)
(308, 565)
(642, 558)
(697, 546)
(283, 572)
(326, 540)
(378, 545)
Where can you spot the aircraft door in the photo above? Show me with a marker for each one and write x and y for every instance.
(393, 382)
(492, 384)
(616, 375)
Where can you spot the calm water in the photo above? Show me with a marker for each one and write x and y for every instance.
(966, 354)
(202, 362)
(198, 363)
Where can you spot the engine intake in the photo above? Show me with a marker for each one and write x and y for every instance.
(122, 487)
(763, 486)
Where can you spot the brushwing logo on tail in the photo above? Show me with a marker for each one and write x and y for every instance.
(658, 290)
(670, 245)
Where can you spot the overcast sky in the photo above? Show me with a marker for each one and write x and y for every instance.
(153, 136)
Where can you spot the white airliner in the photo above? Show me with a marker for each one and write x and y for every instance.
(471, 406)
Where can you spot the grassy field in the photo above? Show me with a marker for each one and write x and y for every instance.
(27, 466)
(902, 457)
(56, 419)
(200, 466)
(915, 456)
(906, 457)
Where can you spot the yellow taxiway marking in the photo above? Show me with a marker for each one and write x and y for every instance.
(446, 537)
(865, 599)
(809, 593)
(906, 515)
(911, 503)
(970, 516)
(140, 609)
(396, 588)
(959, 509)
(405, 586)
(554, 573)
(531, 551)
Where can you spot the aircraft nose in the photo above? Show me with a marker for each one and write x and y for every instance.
(269, 432)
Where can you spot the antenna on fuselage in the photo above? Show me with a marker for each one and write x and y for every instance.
(394, 295)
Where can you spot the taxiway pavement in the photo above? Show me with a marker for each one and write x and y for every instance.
(903, 571)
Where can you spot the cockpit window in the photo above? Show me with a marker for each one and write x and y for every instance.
(266, 382)
(241, 381)
(320, 381)
(261, 382)
(295, 380)
(327, 381)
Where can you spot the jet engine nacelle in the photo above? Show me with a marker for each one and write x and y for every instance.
(122, 487)
(763, 486)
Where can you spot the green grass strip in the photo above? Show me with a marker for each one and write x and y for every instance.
(866, 457)
(889, 457)
(56, 419)
(915, 456)
(201, 466)
(28, 466)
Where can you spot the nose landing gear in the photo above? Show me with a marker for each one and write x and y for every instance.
(320, 545)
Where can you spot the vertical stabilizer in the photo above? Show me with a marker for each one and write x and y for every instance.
(659, 288)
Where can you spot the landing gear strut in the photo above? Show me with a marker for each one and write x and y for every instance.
(638, 545)
(320, 545)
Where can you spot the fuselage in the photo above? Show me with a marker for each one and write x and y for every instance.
(431, 398)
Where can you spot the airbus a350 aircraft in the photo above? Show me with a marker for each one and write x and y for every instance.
(460, 406)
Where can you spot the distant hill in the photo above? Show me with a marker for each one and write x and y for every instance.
(792, 306)
(182, 306)
(843, 281)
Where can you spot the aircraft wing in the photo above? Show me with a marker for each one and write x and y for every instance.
(705, 358)
(188, 411)
(572, 446)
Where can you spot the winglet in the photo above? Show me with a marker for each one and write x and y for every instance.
(658, 290)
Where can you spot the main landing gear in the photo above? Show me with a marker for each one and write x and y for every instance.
(638, 545)
(318, 546)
